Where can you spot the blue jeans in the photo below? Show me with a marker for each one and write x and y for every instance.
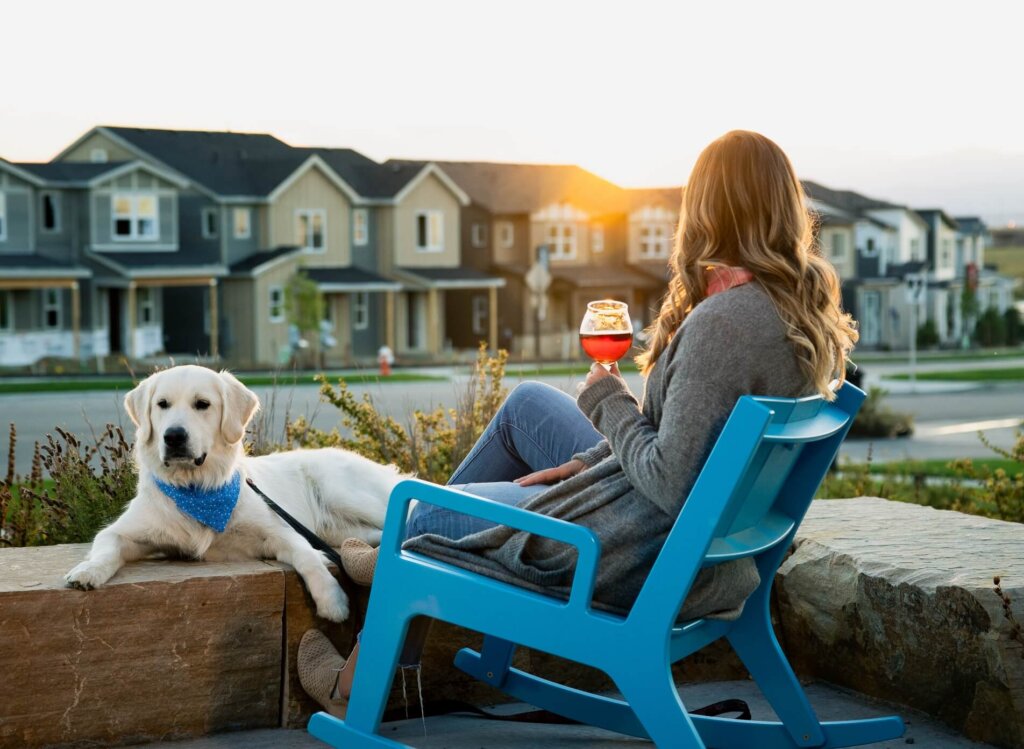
(537, 427)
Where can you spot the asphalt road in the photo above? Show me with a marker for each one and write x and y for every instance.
(946, 422)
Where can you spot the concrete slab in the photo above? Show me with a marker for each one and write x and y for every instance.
(452, 732)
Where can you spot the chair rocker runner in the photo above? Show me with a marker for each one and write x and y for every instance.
(748, 501)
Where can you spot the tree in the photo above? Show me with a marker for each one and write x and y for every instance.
(304, 308)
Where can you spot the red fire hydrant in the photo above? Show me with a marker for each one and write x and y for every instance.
(385, 357)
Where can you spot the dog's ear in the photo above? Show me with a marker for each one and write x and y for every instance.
(136, 403)
(238, 407)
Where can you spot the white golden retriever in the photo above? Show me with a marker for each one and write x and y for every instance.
(190, 422)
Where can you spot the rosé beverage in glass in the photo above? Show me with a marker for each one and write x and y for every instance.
(606, 332)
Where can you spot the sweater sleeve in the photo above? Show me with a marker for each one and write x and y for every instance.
(708, 370)
(591, 457)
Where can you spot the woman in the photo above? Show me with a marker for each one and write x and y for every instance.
(751, 308)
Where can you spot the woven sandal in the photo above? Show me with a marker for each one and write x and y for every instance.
(359, 560)
(318, 666)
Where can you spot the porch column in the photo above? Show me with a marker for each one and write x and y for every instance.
(433, 321)
(214, 322)
(389, 319)
(76, 320)
(492, 318)
(129, 345)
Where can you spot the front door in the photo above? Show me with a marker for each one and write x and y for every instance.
(870, 322)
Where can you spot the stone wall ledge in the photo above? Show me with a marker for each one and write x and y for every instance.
(893, 600)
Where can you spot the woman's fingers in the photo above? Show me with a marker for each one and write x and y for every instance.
(551, 475)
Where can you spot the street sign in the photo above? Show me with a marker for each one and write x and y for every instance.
(538, 278)
(914, 288)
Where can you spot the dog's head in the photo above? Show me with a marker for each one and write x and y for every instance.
(190, 422)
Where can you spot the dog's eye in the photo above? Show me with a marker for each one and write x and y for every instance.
(202, 405)
(162, 403)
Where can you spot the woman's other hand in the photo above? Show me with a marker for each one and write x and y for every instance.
(598, 372)
(551, 475)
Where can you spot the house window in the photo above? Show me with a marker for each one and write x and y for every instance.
(3, 216)
(242, 220)
(479, 315)
(915, 245)
(479, 235)
(562, 241)
(209, 223)
(50, 210)
(52, 309)
(360, 310)
(597, 238)
(870, 247)
(429, 231)
(838, 247)
(98, 156)
(135, 217)
(653, 240)
(506, 233)
(6, 311)
(310, 229)
(276, 304)
(947, 252)
(360, 227)
(145, 295)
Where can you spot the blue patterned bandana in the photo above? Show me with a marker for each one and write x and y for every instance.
(211, 507)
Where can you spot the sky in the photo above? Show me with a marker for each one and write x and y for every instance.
(915, 102)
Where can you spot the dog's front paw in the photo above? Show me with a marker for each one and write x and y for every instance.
(86, 576)
(333, 607)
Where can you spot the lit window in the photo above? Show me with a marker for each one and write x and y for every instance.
(98, 156)
(479, 235)
(479, 315)
(309, 230)
(562, 241)
(52, 309)
(243, 224)
(360, 227)
(654, 240)
(506, 233)
(3, 217)
(360, 310)
(209, 223)
(597, 238)
(135, 217)
(145, 295)
(429, 231)
(276, 304)
(6, 311)
(50, 210)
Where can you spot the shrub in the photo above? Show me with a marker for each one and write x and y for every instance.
(990, 329)
(1014, 328)
(927, 335)
(878, 420)
(432, 444)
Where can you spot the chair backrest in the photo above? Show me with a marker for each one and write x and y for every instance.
(752, 492)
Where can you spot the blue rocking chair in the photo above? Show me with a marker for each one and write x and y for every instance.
(748, 501)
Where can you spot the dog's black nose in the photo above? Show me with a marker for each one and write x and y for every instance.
(175, 437)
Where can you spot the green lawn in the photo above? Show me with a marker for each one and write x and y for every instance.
(286, 380)
(1009, 260)
(1009, 374)
(939, 467)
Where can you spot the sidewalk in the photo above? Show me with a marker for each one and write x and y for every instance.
(458, 732)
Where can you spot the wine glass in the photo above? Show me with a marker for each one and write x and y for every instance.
(606, 332)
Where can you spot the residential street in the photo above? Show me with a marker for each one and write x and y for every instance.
(946, 421)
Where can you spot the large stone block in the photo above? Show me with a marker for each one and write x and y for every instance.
(164, 650)
(897, 601)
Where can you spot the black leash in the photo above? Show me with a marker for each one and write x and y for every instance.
(320, 545)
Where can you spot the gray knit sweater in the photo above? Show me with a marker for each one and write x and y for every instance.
(637, 479)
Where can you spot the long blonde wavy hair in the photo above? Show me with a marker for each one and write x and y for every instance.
(744, 206)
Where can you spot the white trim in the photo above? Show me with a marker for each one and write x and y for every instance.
(57, 306)
(235, 212)
(438, 244)
(7, 300)
(144, 298)
(205, 224)
(509, 240)
(478, 234)
(349, 288)
(425, 172)
(305, 242)
(305, 166)
(3, 216)
(360, 304)
(138, 166)
(56, 197)
(279, 317)
(655, 245)
(41, 273)
(21, 173)
(262, 268)
(360, 239)
(564, 245)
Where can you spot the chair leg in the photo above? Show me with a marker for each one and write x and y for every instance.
(495, 661)
(653, 697)
(755, 643)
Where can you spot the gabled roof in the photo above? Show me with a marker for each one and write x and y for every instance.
(236, 164)
(847, 200)
(255, 262)
(930, 214)
(366, 176)
(644, 196)
(522, 188)
(39, 267)
(85, 174)
(971, 225)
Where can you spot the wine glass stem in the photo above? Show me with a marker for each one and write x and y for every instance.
(608, 367)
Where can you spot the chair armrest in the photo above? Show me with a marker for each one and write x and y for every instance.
(586, 542)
